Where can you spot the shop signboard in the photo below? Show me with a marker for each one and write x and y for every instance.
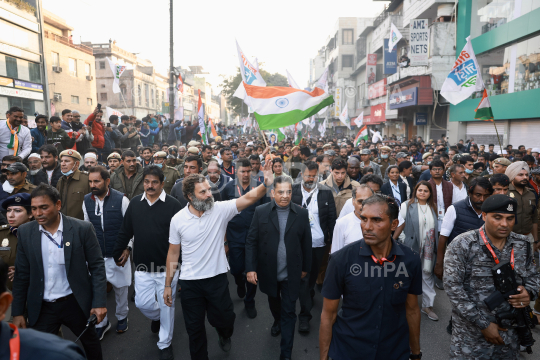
(389, 59)
(378, 114)
(377, 90)
(419, 42)
(403, 98)
(420, 119)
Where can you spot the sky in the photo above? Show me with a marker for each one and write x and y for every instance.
(282, 34)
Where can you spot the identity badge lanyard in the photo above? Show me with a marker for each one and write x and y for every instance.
(14, 344)
(495, 258)
(61, 245)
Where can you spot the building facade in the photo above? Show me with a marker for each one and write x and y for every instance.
(506, 39)
(143, 90)
(70, 67)
(23, 81)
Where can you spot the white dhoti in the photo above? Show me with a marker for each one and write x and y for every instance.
(120, 279)
(148, 287)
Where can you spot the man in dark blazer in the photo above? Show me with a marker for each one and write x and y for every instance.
(59, 272)
(319, 201)
(278, 256)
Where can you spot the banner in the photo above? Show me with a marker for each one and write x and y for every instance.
(389, 59)
(111, 111)
(464, 78)
(117, 71)
(395, 36)
(419, 42)
(371, 69)
(250, 73)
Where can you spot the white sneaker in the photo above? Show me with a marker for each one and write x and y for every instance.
(430, 314)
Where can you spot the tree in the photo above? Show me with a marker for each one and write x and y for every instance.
(231, 83)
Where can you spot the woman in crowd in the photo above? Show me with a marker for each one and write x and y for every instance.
(420, 229)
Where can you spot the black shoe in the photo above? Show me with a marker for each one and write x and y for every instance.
(166, 354)
(283, 358)
(449, 327)
(303, 327)
(251, 312)
(133, 296)
(276, 329)
(241, 290)
(224, 344)
(439, 285)
(155, 326)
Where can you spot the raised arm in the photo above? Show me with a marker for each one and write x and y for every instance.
(254, 195)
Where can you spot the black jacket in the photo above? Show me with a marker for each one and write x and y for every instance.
(262, 247)
(410, 180)
(327, 208)
(387, 190)
(85, 268)
(41, 176)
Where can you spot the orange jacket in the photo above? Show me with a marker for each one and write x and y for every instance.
(97, 130)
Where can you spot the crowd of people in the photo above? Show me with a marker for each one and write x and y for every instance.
(92, 207)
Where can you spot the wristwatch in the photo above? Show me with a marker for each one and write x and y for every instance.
(129, 248)
(417, 356)
(226, 243)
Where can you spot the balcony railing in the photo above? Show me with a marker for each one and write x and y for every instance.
(66, 41)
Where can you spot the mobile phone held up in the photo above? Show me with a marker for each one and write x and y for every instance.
(99, 106)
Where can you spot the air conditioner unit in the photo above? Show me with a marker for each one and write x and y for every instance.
(58, 97)
(89, 77)
(57, 69)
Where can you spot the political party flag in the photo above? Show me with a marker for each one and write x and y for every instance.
(250, 73)
(117, 72)
(362, 135)
(292, 83)
(200, 114)
(214, 132)
(344, 117)
(276, 106)
(395, 36)
(359, 120)
(180, 84)
(323, 84)
(464, 78)
(483, 111)
(322, 127)
(312, 123)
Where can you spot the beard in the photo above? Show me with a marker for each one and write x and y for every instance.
(203, 205)
(34, 172)
(310, 185)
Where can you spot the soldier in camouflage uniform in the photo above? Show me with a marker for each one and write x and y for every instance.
(468, 281)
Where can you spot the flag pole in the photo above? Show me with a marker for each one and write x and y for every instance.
(498, 138)
(263, 136)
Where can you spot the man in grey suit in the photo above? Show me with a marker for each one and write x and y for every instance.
(59, 272)
(278, 256)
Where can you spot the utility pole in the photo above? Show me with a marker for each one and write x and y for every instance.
(171, 68)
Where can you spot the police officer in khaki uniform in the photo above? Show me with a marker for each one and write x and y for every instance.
(192, 151)
(527, 211)
(73, 185)
(16, 182)
(18, 212)
(384, 160)
(171, 174)
(499, 166)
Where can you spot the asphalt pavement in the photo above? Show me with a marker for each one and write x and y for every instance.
(252, 339)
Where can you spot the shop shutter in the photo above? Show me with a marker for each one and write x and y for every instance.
(483, 132)
(525, 133)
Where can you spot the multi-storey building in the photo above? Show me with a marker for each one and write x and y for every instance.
(70, 68)
(505, 36)
(23, 81)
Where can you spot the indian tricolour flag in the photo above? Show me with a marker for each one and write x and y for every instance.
(362, 134)
(276, 107)
(483, 111)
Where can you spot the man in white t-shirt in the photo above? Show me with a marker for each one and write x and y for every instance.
(199, 230)
(457, 174)
(347, 229)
